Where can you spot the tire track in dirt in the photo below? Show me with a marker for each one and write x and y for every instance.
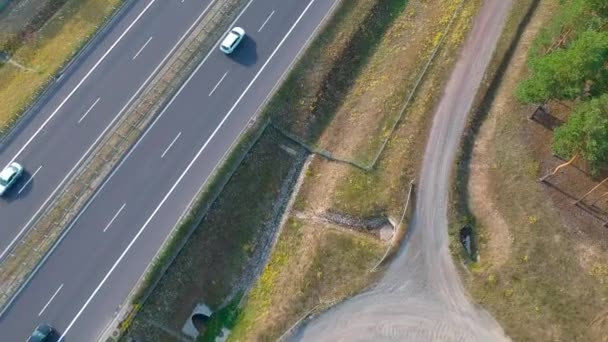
(421, 298)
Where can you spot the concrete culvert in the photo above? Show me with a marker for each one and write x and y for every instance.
(197, 321)
(200, 321)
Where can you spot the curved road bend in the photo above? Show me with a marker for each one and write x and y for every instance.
(89, 97)
(421, 298)
(107, 248)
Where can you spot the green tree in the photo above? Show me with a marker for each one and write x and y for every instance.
(599, 6)
(569, 73)
(585, 133)
(574, 17)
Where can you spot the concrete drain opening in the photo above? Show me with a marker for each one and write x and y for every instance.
(200, 321)
(197, 321)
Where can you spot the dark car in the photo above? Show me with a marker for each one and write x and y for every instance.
(43, 333)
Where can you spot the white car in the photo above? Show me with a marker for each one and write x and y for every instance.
(232, 40)
(9, 176)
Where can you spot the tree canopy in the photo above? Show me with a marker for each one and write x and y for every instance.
(599, 6)
(585, 133)
(569, 73)
(569, 62)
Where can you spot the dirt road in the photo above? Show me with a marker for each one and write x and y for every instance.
(421, 298)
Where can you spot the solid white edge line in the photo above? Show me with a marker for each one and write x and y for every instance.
(114, 217)
(234, 143)
(141, 230)
(71, 225)
(89, 110)
(29, 180)
(50, 300)
(33, 217)
(218, 84)
(171, 145)
(266, 21)
(160, 115)
(142, 48)
(86, 76)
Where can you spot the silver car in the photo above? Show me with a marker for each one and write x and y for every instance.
(9, 176)
(232, 40)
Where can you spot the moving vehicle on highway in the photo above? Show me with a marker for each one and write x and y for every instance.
(9, 176)
(42, 333)
(232, 40)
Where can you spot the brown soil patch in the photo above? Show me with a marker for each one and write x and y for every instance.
(483, 202)
(569, 185)
(317, 192)
(593, 260)
(599, 327)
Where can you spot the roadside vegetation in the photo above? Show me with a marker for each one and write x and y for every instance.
(337, 228)
(328, 264)
(39, 44)
(330, 261)
(543, 261)
(221, 256)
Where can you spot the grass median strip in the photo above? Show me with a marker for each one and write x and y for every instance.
(45, 51)
(49, 227)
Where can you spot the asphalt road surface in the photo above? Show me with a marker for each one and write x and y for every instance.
(93, 268)
(421, 298)
(85, 102)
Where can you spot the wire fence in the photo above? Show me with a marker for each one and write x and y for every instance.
(370, 166)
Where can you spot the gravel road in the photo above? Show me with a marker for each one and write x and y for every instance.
(421, 298)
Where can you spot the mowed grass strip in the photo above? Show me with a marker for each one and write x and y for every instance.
(311, 265)
(46, 52)
(381, 190)
(218, 254)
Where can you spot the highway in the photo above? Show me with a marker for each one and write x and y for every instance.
(93, 268)
(90, 96)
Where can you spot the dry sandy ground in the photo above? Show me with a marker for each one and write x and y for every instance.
(421, 298)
